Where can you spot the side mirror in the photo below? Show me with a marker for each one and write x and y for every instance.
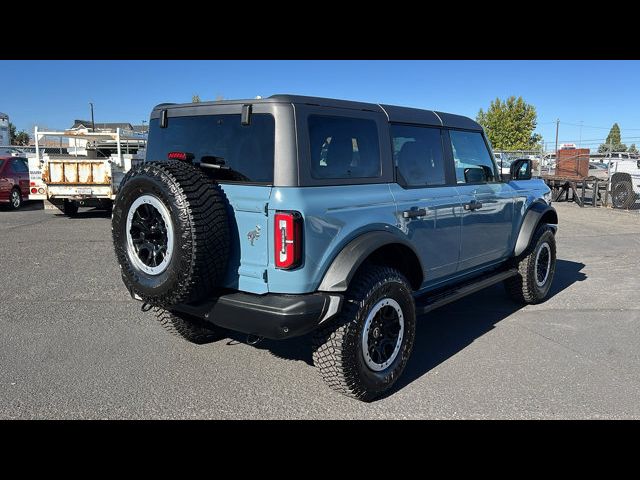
(474, 175)
(521, 169)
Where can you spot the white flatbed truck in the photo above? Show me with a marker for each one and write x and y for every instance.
(80, 177)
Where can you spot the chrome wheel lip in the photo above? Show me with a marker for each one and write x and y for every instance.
(544, 247)
(385, 302)
(166, 217)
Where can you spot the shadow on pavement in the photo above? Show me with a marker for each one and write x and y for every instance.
(90, 213)
(441, 333)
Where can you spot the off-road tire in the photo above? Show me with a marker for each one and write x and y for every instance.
(15, 196)
(70, 208)
(523, 287)
(197, 211)
(622, 194)
(337, 346)
(190, 328)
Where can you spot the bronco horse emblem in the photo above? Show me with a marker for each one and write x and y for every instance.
(253, 234)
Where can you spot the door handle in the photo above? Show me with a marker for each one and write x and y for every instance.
(473, 205)
(414, 212)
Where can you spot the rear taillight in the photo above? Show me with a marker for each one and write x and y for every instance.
(32, 184)
(184, 156)
(34, 190)
(288, 239)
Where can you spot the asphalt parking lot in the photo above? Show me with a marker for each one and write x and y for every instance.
(73, 345)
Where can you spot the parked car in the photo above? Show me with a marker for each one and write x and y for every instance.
(14, 181)
(598, 170)
(286, 215)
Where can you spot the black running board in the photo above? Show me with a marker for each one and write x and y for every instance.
(435, 300)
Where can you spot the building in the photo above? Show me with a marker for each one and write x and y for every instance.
(79, 146)
(5, 137)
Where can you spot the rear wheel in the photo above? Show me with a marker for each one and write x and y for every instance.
(189, 328)
(70, 208)
(15, 200)
(362, 352)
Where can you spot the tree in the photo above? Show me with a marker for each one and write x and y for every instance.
(17, 138)
(195, 98)
(633, 149)
(613, 143)
(22, 138)
(510, 124)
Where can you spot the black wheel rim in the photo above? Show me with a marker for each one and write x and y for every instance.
(620, 195)
(149, 235)
(382, 335)
(543, 264)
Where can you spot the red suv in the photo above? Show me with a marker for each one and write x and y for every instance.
(14, 181)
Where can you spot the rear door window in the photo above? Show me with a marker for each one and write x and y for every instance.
(344, 147)
(418, 156)
(244, 153)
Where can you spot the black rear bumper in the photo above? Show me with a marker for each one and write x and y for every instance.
(272, 315)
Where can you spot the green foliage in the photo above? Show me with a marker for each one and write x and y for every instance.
(510, 124)
(17, 138)
(613, 143)
(633, 149)
(195, 98)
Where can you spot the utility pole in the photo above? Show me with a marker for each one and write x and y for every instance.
(93, 125)
(557, 127)
(580, 140)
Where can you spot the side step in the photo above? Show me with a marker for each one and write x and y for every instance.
(433, 300)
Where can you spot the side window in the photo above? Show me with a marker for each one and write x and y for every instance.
(343, 147)
(417, 154)
(472, 159)
(19, 166)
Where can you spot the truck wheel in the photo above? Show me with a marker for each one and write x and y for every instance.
(536, 267)
(190, 328)
(170, 232)
(622, 194)
(16, 199)
(364, 349)
(70, 208)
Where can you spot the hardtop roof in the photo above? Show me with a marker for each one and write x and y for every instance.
(393, 112)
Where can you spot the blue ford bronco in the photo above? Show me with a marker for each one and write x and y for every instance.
(290, 215)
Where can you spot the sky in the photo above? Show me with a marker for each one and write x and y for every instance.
(594, 94)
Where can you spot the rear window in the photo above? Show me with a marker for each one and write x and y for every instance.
(245, 152)
(343, 147)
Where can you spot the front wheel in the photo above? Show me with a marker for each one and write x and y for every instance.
(536, 268)
(363, 351)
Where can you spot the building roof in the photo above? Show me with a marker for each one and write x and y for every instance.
(393, 113)
(102, 126)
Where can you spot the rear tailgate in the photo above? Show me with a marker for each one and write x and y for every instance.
(77, 177)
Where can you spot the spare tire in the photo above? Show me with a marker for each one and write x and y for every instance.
(170, 232)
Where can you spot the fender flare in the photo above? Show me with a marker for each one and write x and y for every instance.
(346, 263)
(531, 221)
